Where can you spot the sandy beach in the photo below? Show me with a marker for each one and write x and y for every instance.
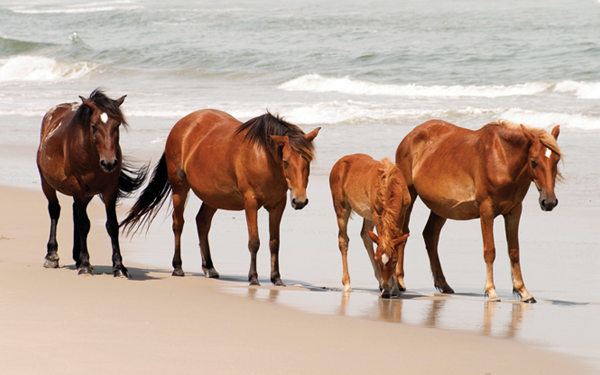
(56, 322)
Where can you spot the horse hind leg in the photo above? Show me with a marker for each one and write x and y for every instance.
(203, 223)
(51, 260)
(180, 194)
(431, 235)
(342, 212)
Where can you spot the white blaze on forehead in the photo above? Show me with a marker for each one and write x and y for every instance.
(384, 259)
(104, 117)
(548, 152)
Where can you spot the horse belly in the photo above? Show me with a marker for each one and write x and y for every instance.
(361, 207)
(452, 201)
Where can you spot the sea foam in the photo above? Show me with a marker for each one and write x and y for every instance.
(39, 68)
(318, 83)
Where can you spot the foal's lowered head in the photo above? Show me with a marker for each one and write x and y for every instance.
(295, 159)
(542, 164)
(105, 120)
(386, 257)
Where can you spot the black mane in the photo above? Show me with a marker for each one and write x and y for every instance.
(261, 128)
(104, 103)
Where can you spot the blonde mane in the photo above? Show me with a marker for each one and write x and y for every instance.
(389, 200)
(545, 138)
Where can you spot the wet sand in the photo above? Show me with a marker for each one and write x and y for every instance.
(56, 322)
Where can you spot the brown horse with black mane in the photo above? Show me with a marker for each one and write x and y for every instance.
(231, 166)
(462, 174)
(79, 155)
(378, 193)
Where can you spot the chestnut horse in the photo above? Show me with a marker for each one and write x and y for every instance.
(463, 174)
(378, 193)
(231, 166)
(80, 156)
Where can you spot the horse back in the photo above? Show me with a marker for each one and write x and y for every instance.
(353, 182)
(205, 152)
(50, 155)
(454, 169)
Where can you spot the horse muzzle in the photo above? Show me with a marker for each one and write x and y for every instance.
(109, 165)
(299, 204)
(547, 203)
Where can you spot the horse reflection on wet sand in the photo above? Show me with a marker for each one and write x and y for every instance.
(463, 174)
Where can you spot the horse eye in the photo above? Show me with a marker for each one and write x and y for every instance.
(533, 163)
(286, 164)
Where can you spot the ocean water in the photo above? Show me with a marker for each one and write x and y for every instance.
(367, 73)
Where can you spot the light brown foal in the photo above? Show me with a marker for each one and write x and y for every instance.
(378, 193)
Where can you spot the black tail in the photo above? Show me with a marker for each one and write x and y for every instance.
(151, 200)
(131, 179)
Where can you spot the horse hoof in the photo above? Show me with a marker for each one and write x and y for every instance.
(51, 263)
(529, 300)
(254, 282)
(278, 282)
(85, 270)
(121, 273)
(211, 273)
(178, 272)
(386, 295)
(494, 299)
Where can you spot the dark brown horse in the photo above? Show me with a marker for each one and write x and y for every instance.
(80, 156)
(462, 174)
(231, 166)
(378, 193)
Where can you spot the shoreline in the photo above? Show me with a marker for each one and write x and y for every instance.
(55, 321)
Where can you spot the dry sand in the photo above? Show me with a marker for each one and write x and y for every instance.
(56, 322)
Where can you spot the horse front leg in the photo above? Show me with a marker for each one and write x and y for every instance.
(511, 226)
(112, 227)
(51, 260)
(251, 208)
(203, 223)
(489, 249)
(275, 214)
(368, 242)
(431, 235)
(81, 223)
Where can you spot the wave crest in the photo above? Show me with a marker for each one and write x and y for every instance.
(38, 68)
(318, 83)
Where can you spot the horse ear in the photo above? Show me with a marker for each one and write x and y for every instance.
(121, 100)
(313, 134)
(373, 236)
(89, 103)
(281, 140)
(527, 133)
(556, 131)
(400, 240)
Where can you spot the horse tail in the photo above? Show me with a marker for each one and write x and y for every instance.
(131, 179)
(150, 201)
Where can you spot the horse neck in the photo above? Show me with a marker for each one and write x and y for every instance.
(516, 150)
